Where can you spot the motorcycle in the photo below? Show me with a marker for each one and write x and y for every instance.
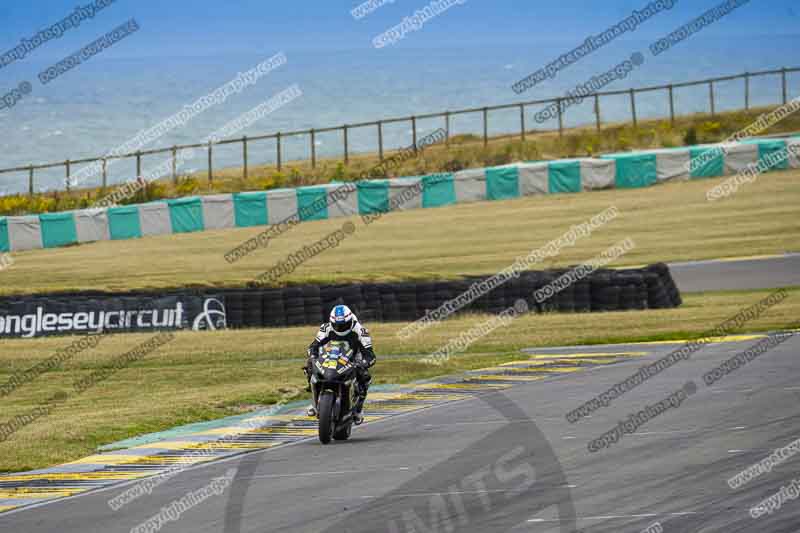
(333, 390)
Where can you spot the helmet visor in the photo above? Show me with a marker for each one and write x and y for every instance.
(342, 327)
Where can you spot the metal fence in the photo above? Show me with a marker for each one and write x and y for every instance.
(378, 124)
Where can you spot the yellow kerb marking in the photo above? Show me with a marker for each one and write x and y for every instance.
(31, 493)
(711, 340)
(76, 476)
(588, 354)
(501, 377)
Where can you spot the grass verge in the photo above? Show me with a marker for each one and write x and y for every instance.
(202, 376)
(668, 222)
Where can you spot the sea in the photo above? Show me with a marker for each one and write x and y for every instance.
(103, 103)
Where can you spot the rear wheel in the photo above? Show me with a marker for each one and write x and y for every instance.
(326, 422)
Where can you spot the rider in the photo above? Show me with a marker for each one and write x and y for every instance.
(344, 326)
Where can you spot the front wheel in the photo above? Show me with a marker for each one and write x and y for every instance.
(326, 422)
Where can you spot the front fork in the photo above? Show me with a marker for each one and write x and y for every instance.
(314, 392)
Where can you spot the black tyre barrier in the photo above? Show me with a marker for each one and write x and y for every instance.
(651, 287)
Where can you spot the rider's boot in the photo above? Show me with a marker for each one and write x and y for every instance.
(358, 418)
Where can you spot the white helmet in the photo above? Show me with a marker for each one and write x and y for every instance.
(342, 320)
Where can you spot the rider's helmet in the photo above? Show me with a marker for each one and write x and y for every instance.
(342, 320)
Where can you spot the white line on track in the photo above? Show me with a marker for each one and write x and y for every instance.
(613, 517)
(646, 433)
(332, 473)
(447, 493)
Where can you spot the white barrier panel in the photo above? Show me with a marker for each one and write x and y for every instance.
(218, 211)
(673, 164)
(598, 174)
(470, 185)
(404, 194)
(24, 233)
(534, 178)
(92, 225)
(281, 205)
(154, 219)
(345, 202)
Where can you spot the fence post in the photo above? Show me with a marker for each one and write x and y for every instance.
(633, 108)
(711, 98)
(414, 133)
(210, 164)
(175, 164)
(278, 149)
(522, 121)
(138, 165)
(380, 141)
(671, 106)
(30, 180)
(560, 118)
(597, 110)
(244, 154)
(105, 173)
(66, 166)
(346, 147)
(747, 91)
(313, 148)
(785, 88)
(485, 127)
(447, 129)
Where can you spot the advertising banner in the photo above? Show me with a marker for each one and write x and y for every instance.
(38, 317)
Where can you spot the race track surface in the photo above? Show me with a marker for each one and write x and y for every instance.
(507, 460)
(737, 274)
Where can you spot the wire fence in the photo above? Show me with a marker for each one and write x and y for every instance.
(446, 116)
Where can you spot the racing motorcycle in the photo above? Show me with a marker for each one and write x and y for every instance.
(333, 390)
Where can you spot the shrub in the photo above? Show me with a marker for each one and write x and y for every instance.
(690, 137)
(187, 186)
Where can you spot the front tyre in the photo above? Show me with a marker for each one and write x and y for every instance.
(344, 433)
(326, 422)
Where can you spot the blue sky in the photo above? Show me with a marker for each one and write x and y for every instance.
(212, 27)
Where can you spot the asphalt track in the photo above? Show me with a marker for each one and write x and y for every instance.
(504, 458)
(738, 273)
(482, 464)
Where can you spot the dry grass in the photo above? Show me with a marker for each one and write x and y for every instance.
(201, 376)
(465, 151)
(667, 222)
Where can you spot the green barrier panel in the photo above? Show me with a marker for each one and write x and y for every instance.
(58, 229)
(710, 168)
(123, 222)
(312, 203)
(250, 209)
(438, 190)
(186, 214)
(373, 197)
(771, 151)
(502, 183)
(564, 176)
(635, 170)
(5, 245)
